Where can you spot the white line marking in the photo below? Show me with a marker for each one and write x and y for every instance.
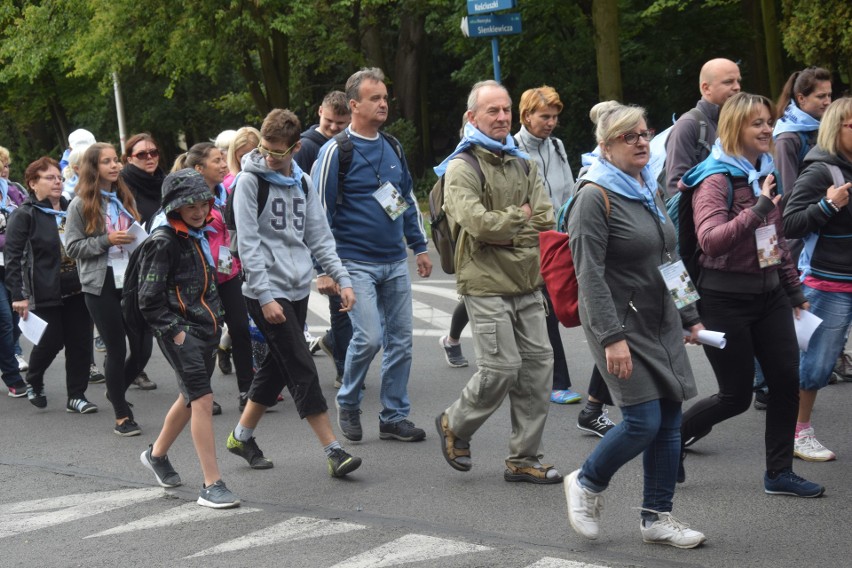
(447, 293)
(409, 548)
(548, 562)
(189, 513)
(297, 528)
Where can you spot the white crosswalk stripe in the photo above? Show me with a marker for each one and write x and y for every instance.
(189, 513)
(409, 548)
(548, 562)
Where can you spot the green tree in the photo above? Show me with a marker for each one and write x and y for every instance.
(818, 33)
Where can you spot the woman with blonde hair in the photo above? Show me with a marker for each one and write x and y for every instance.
(245, 140)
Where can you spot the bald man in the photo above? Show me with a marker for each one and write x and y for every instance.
(695, 131)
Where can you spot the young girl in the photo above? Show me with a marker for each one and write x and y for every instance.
(179, 300)
(98, 223)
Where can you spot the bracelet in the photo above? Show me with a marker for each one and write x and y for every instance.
(833, 205)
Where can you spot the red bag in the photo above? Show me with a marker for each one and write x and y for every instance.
(557, 269)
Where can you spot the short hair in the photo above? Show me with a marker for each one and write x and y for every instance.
(75, 156)
(611, 119)
(223, 140)
(802, 82)
(353, 84)
(473, 97)
(195, 156)
(245, 135)
(133, 141)
(4, 155)
(33, 171)
(735, 113)
(832, 123)
(539, 98)
(281, 125)
(337, 102)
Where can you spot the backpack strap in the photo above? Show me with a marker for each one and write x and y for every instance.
(344, 157)
(702, 142)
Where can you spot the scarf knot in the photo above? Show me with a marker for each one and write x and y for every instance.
(604, 174)
(474, 137)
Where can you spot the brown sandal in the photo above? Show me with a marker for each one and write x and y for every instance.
(448, 444)
(531, 474)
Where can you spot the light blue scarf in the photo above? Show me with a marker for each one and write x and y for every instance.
(795, 120)
(60, 215)
(220, 196)
(199, 234)
(606, 175)
(115, 208)
(277, 178)
(472, 136)
(4, 189)
(767, 165)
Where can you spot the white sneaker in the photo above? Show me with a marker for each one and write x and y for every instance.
(584, 507)
(22, 363)
(808, 448)
(669, 530)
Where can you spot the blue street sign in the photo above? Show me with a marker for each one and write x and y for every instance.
(486, 6)
(491, 25)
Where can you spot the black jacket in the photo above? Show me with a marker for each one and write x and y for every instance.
(37, 267)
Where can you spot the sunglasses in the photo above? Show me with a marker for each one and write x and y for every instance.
(149, 154)
(630, 138)
(266, 153)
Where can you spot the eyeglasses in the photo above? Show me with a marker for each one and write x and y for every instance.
(630, 138)
(148, 154)
(275, 155)
(51, 179)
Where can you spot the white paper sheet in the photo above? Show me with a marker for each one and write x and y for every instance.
(33, 327)
(137, 231)
(711, 338)
(805, 327)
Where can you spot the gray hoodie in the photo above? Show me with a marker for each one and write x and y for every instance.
(275, 247)
(553, 166)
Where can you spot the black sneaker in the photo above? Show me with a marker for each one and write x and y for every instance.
(597, 423)
(161, 468)
(225, 361)
(142, 382)
(80, 406)
(95, 375)
(349, 422)
(340, 463)
(248, 451)
(127, 428)
(788, 483)
(761, 400)
(404, 430)
(36, 396)
(217, 409)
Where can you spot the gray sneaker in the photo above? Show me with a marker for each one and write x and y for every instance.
(349, 422)
(452, 353)
(217, 496)
(161, 468)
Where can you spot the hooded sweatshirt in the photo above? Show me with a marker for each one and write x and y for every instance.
(553, 165)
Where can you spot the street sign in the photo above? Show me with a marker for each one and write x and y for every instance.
(486, 6)
(491, 25)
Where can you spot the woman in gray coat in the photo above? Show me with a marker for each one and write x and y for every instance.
(623, 243)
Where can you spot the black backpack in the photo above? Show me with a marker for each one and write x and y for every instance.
(133, 318)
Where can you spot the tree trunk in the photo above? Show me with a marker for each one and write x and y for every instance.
(605, 21)
(773, 47)
(407, 73)
(758, 77)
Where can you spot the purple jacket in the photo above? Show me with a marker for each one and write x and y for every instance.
(16, 197)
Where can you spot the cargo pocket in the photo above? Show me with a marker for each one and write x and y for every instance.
(487, 334)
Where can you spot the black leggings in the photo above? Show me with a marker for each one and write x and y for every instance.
(236, 316)
(459, 321)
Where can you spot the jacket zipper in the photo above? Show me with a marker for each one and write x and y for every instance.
(204, 290)
(631, 306)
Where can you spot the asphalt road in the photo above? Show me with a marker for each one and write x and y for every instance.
(74, 494)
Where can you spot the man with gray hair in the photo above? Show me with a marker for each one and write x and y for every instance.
(363, 180)
(497, 210)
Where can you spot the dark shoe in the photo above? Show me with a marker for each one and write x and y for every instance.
(225, 361)
(243, 400)
(36, 397)
(18, 390)
(217, 496)
(788, 483)
(403, 430)
(95, 375)
(127, 428)
(761, 400)
(314, 345)
(597, 423)
(452, 353)
(326, 348)
(161, 468)
(340, 463)
(217, 410)
(144, 383)
(249, 452)
(540, 474)
(455, 450)
(80, 406)
(349, 422)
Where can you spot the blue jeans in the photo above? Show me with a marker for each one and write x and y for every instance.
(381, 319)
(651, 428)
(8, 363)
(827, 342)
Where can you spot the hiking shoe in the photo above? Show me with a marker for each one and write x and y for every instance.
(36, 396)
(808, 448)
(248, 451)
(404, 431)
(595, 423)
(95, 375)
(127, 429)
(224, 360)
(217, 408)
(80, 406)
(100, 346)
(161, 468)
(142, 382)
(584, 507)
(22, 363)
(217, 496)
(761, 400)
(668, 530)
(340, 463)
(349, 422)
(453, 353)
(18, 390)
(566, 396)
(322, 343)
(788, 483)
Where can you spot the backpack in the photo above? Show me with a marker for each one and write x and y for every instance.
(344, 157)
(442, 234)
(133, 318)
(557, 265)
(703, 145)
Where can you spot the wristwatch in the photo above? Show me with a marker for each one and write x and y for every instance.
(833, 205)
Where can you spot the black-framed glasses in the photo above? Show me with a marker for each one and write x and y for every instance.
(630, 138)
(265, 152)
(147, 154)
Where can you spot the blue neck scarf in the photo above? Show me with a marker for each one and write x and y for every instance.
(220, 196)
(473, 137)
(4, 190)
(744, 167)
(114, 207)
(199, 235)
(795, 120)
(606, 175)
(60, 215)
(277, 178)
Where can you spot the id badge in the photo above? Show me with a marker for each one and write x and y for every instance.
(391, 200)
(768, 253)
(119, 267)
(679, 283)
(226, 261)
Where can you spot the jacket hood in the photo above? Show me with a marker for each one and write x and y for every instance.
(313, 134)
(818, 154)
(184, 187)
(254, 163)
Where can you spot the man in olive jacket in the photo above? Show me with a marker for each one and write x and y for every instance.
(498, 216)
